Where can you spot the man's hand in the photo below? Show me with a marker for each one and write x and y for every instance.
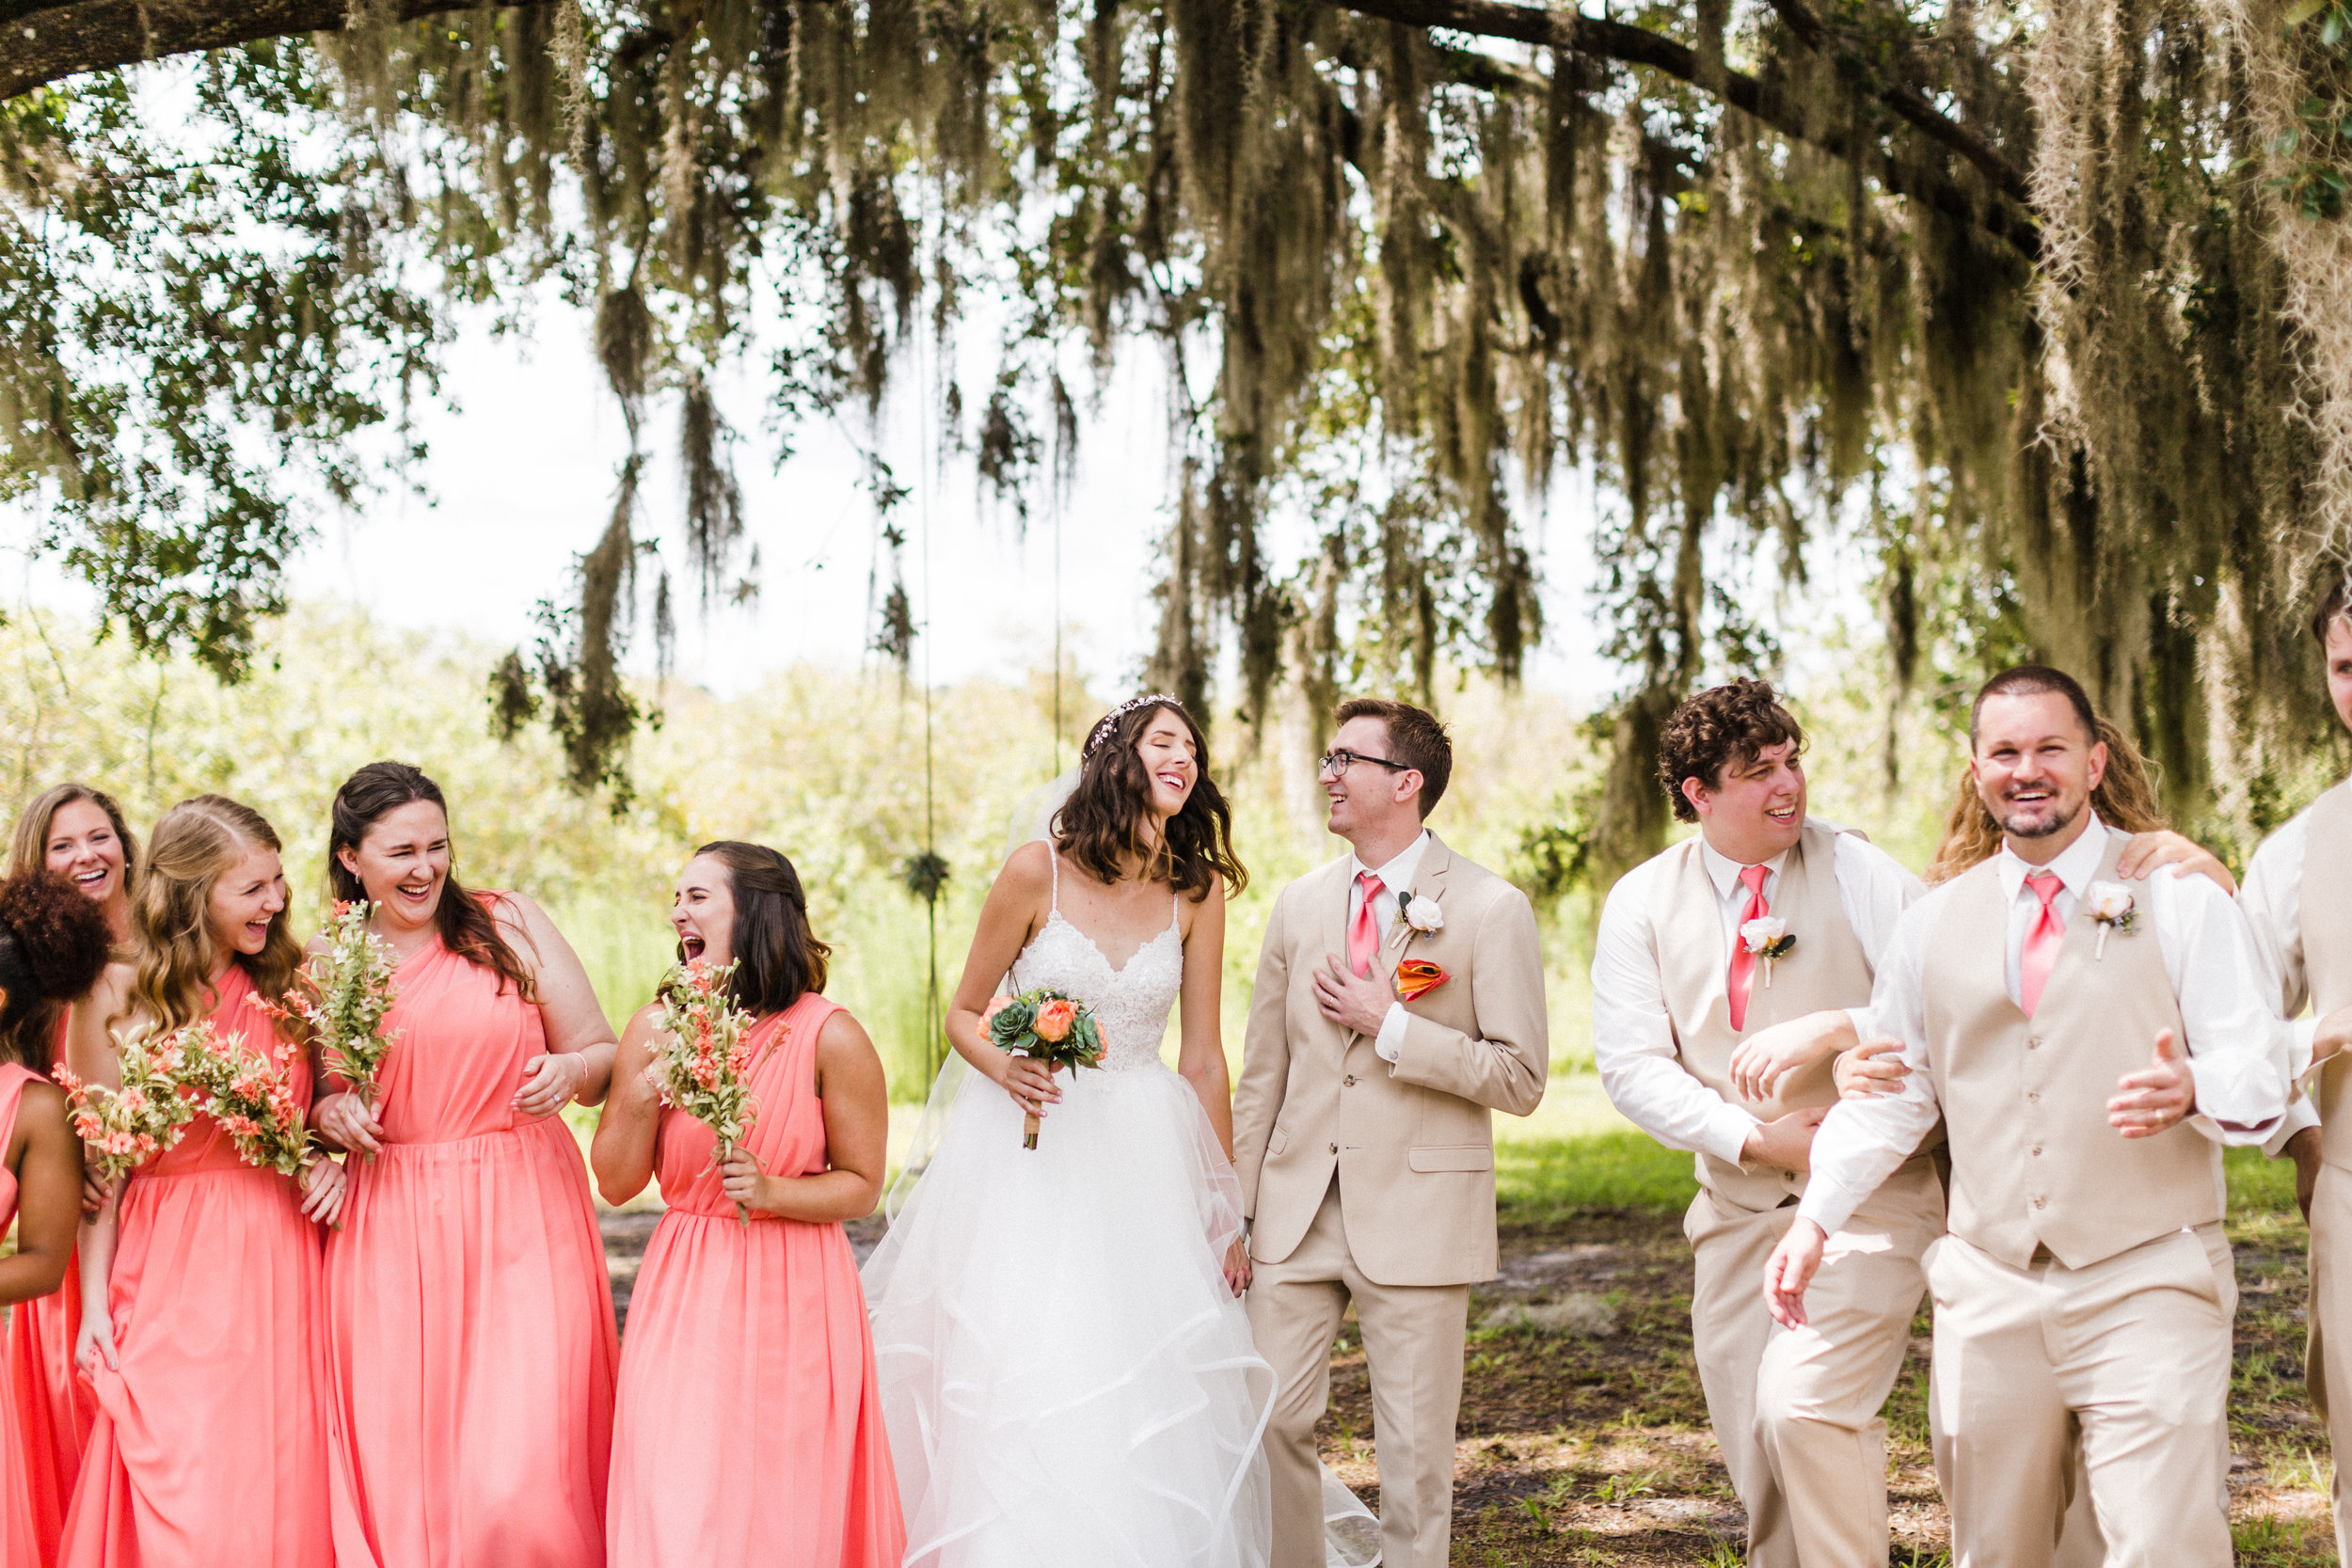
(1790, 1269)
(1786, 1141)
(1874, 1069)
(2155, 1097)
(1350, 1000)
(2332, 1034)
(2148, 851)
(2303, 1148)
(1768, 1055)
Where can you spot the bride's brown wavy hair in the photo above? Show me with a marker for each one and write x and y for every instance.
(1104, 825)
(193, 846)
(2124, 799)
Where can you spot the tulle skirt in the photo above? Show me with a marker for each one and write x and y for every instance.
(1066, 1377)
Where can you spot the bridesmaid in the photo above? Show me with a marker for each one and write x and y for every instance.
(79, 833)
(469, 1316)
(748, 1429)
(201, 1295)
(53, 944)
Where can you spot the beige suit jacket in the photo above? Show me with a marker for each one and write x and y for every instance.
(1413, 1145)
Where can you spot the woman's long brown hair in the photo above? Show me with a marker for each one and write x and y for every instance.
(197, 842)
(465, 925)
(28, 851)
(2124, 799)
(1104, 828)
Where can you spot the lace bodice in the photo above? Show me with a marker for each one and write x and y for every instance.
(1130, 1002)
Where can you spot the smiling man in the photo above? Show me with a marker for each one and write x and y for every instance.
(2089, 1044)
(1766, 915)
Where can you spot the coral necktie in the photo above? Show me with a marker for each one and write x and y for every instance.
(1743, 962)
(1364, 933)
(2043, 940)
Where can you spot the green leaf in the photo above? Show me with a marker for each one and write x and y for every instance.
(2332, 29)
(2303, 11)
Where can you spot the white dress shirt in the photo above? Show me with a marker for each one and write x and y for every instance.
(1394, 876)
(1632, 1039)
(2271, 898)
(2238, 1050)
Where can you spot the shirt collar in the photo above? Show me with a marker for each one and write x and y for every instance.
(1724, 871)
(1397, 876)
(2075, 865)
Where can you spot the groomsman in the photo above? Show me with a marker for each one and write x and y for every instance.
(2065, 1027)
(2299, 899)
(1399, 1001)
(1767, 915)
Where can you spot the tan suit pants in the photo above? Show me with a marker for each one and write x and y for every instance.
(1797, 1414)
(2132, 1354)
(2327, 1354)
(1413, 1347)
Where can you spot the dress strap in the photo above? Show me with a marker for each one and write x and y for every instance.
(1176, 912)
(1053, 856)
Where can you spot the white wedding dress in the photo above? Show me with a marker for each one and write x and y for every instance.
(1066, 1380)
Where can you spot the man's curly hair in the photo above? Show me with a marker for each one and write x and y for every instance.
(1715, 728)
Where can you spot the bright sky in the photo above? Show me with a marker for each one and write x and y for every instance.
(520, 479)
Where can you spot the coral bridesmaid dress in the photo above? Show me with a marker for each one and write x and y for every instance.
(49, 1408)
(750, 1427)
(470, 1314)
(21, 1540)
(209, 1446)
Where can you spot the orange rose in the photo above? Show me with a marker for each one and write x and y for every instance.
(1054, 1020)
(995, 1004)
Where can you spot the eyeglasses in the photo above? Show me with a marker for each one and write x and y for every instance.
(1340, 762)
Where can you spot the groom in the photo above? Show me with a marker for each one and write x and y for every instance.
(1361, 1131)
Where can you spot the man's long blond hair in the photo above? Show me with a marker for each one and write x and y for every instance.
(2124, 799)
(195, 844)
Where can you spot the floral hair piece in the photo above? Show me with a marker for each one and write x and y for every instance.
(1109, 725)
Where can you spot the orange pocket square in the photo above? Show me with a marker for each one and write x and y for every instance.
(1418, 977)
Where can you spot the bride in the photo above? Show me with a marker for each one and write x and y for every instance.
(1066, 1374)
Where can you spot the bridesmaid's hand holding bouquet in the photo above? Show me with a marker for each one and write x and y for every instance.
(701, 1057)
(1049, 1027)
(347, 988)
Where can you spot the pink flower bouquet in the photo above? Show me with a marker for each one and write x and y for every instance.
(122, 1129)
(702, 1059)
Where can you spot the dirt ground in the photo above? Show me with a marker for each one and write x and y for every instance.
(1584, 1437)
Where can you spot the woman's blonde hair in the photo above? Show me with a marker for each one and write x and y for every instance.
(2124, 799)
(195, 844)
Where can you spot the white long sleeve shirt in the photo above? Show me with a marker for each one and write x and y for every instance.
(2271, 898)
(1632, 1039)
(2239, 1050)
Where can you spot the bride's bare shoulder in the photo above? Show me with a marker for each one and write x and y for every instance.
(1028, 869)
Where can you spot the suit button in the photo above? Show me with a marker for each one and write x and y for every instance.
(2037, 1148)
(1787, 1176)
(2033, 1042)
(1348, 1082)
(2038, 1202)
(1335, 1149)
(2034, 1095)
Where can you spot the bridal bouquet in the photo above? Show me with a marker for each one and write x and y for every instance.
(1048, 1026)
(252, 1096)
(350, 988)
(122, 1129)
(702, 1057)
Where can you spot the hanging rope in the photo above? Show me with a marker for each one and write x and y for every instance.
(925, 875)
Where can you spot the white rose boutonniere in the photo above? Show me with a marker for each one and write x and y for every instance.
(2111, 904)
(1416, 917)
(1768, 938)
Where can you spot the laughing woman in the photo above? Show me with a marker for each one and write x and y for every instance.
(79, 833)
(470, 1317)
(52, 946)
(748, 1429)
(200, 1310)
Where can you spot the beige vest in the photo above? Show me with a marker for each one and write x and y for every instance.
(1826, 969)
(2323, 914)
(2034, 1161)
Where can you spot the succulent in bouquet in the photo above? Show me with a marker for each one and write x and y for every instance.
(1045, 1025)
